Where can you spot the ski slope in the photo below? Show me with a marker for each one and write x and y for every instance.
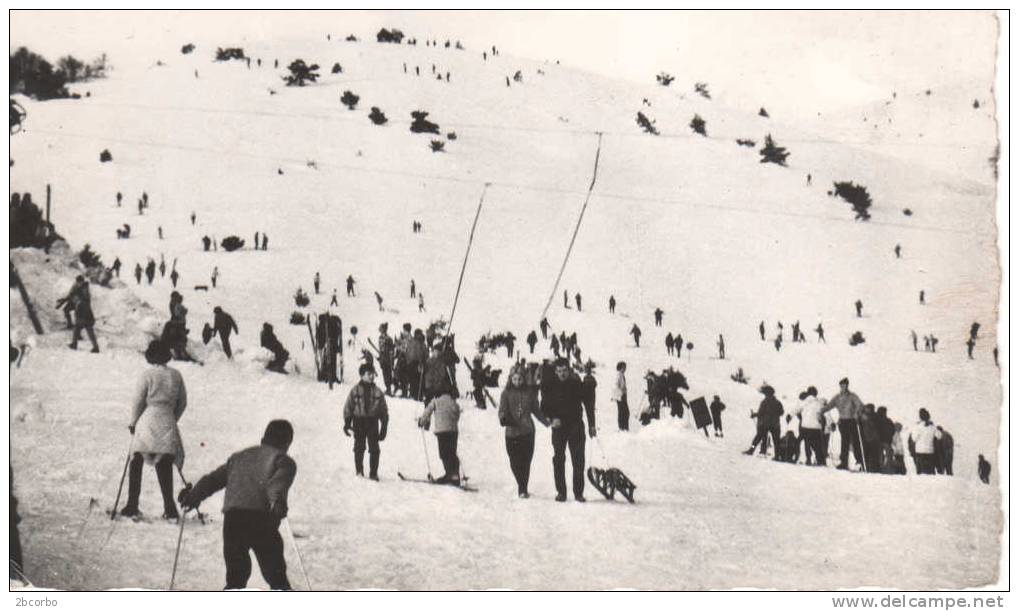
(693, 225)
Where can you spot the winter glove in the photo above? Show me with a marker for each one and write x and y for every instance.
(185, 499)
(346, 427)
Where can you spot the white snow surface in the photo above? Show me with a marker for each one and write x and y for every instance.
(694, 225)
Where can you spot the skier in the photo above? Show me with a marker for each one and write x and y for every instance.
(223, 324)
(566, 300)
(115, 268)
(760, 328)
(532, 340)
(421, 302)
(561, 399)
(781, 330)
(265, 241)
(316, 281)
(716, 408)
(820, 333)
(859, 308)
(778, 342)
(150, 270)
(510, 343)
(544, 328)
(635, 332)
(516, 406)
(413, 289)
(386, 347)
(721, 347)
(670, 343)
(849, 407)
(83, 315)
(256, 241)
(983, 469)
(970, 343)
(447, 414)
(923, 297)
(934, 343)
(120, 197)
(796, 332)
(678, 345)
(577, 299)
(973, 330)
(658, 317)
(921, 443)
(612, 304)
(162, 266)
(366, 415)
(378, 300)
(158, 403)
(555, 345)
(193, 217)
(206, 243)
(159, 230)
(350, 286)
(333, 301)
(768, 415)
(898, 251)
(174, 277)
(270, 342)
(257, 481)
(619, 396)
(214, 276)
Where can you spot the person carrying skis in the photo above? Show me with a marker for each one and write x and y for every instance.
(447, 414)
(619, 396)
(366, 416)
(159, 401)
(516, 406)
(257, 482)
(561, 402)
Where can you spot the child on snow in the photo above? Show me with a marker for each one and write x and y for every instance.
(447, 415)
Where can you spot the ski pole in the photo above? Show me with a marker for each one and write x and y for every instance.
(180, 471)
(424, 446)
(863, 456)
(176, 555)
(120, 488)
(297, 550)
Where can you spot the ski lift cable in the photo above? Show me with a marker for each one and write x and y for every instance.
(511, 185)
(576, 230)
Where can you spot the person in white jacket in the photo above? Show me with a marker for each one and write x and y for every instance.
(619, 396)
(447, 417)
(811, 416)
(159, 402)
(921, 443)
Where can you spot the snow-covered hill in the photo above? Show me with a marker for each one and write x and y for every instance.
(694, 225)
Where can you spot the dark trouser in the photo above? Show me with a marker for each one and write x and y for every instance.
(387, 374)
(531, 346)
(813, 444)
(762, 438)
(924, 464)
(366, 430)
(243, 531)
(521, 451)
(479, 396)
(164, 474)
(447, 453)
(624, 414)
(716, 420)
(872, 455)
(78, 326)
(225, 338)
(850, 433)
(572, 435)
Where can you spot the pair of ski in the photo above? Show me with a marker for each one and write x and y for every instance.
(463, 485)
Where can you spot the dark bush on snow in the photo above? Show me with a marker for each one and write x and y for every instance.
(105, 156)
(772, 153)
(421, 125)
(297, 318)
(377, 116)
(857, 197)
(698, 125)
(437, 146)
(746, 142)
(232, 243)
(664, 79)
(188, 48)
(349, 99)
(392, 36)
(300, 72)
(337, 68)
(225, 55)
(648, 125)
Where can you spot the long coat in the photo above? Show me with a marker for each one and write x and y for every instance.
(159, 401)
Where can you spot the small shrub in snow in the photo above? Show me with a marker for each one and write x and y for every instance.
(857, 197)
(702, 88)
(772, 153)
(188, 48)
(300, 72)
(664, 79)
(438, 146)
(746, 142)
(349, 99)
(377, 116)
(421, 124)
(698, 125)
(648, 125)
(223, 55)
(297, 318)
(337, 68)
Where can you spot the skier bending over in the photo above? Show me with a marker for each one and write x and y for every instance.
(257, 480)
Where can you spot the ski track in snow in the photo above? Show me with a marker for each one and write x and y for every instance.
(706, 516)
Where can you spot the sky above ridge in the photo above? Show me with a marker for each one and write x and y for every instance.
(796, 61)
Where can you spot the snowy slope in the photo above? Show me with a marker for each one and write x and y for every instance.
(694, 225)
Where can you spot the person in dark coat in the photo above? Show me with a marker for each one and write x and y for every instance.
(150, 270)
(206, 243)
(270, 342)
(386, 353)
(563, 403)
(138, 272)
(116, 267)
(532, 340)
(612, 304)
(224, 324)
(768, 415)
(658, 317)
(510, 342)
(944, 451)
(83, 316)
(366, 416)
(760, 329)
(635, 332)
(555, 346)
(350, 286)
(716, 408)
(577, 299)
(544, 328)
(257, 482)
(670, 344)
